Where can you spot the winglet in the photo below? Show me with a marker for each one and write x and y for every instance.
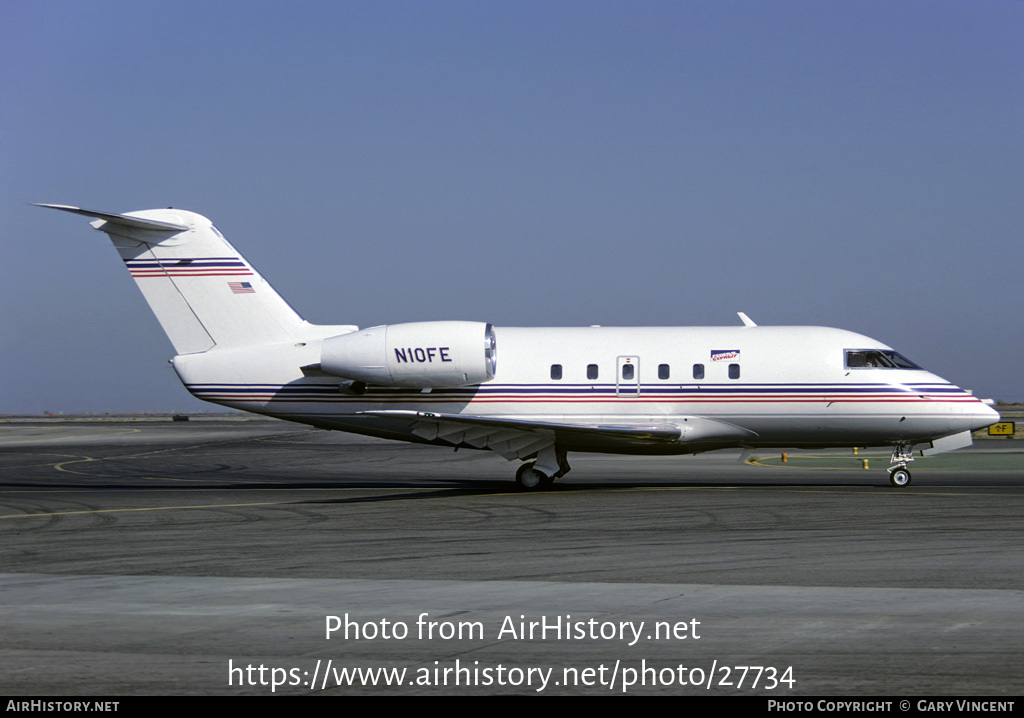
(747, 321)
(121, 219)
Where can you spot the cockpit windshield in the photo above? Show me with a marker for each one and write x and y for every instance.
(877, 359)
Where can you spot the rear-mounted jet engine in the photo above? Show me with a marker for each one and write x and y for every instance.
(416, 355)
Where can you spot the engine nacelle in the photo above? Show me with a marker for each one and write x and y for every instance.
(417, 354)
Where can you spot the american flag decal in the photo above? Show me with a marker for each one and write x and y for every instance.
(241, 288)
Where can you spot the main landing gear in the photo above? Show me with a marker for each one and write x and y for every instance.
(538, 475)
(899, 476)
(532, 480)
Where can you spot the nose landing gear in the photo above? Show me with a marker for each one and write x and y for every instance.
(899, 477)
(902, 454)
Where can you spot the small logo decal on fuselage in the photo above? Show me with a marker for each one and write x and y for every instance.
(725, 354)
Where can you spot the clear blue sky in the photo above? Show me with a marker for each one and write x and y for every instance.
(852, 164)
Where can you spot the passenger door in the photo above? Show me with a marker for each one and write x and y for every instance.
(627, 376)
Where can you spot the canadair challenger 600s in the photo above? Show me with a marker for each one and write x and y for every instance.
(528, 394)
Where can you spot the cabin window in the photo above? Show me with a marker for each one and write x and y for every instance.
(877, 359)
(734, 371)
(663, 371)
(591, 371)
(556, 371)
(628, 372)
(698, 371)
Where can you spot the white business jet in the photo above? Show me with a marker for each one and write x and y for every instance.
(533, 394)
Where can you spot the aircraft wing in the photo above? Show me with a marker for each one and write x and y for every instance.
(521, 438)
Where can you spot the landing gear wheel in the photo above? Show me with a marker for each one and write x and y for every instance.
(530, 479)
(899, 477)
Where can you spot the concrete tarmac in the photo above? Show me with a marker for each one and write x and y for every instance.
(180, 558)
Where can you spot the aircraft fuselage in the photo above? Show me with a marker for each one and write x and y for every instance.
(786, 386)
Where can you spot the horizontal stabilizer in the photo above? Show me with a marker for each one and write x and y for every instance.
(121, 219)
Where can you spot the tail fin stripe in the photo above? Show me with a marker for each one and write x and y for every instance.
(226, 262)
(185, 273)
(186, 267)
(186, 260)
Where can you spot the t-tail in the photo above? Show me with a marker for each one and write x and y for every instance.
(203, 292)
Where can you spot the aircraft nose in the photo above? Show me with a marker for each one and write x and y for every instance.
(978, 416)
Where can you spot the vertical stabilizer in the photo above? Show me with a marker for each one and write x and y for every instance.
(201, 289)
